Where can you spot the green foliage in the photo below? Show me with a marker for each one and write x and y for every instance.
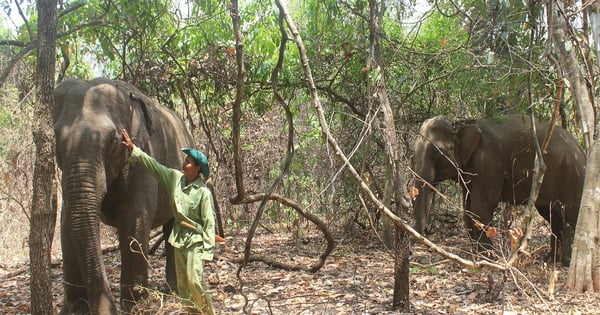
(441, 33)
(473, 69)
(183, 53)
(7, 119)
(415, 269)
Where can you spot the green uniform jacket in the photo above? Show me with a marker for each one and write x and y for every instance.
(191, 203)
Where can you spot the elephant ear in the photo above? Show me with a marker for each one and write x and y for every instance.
(468, 136)
(144, 101)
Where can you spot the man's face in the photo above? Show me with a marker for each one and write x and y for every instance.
(189, 168)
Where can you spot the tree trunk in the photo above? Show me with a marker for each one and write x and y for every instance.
(387, 233)
(402, 247)
(237, 104)
(571, 66)
(43, 205)
(584, 271)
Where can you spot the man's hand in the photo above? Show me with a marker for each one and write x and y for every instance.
(220, 239)
(126, 140)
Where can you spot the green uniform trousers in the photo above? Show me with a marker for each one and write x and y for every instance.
(189, 268)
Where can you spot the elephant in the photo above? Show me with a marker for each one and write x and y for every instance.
(98, 184)
(493, 159)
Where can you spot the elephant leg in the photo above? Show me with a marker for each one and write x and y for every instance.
(170, 252)
(568, 231)
(568, 236)
(134, 234)
(478, 235)
(479, 206)
(558, 240)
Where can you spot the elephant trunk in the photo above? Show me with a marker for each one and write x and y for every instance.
(422, 202)
(84, 187)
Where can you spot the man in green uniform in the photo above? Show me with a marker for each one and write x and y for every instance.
(193, 235)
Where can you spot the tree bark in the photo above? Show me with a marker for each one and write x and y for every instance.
(401, 245)
(564, 47)
(237, 104)
(43, 205)
(584, 270)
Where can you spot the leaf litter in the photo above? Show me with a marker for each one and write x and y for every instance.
(357, 278)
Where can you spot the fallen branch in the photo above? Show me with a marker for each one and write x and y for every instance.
(312, 218)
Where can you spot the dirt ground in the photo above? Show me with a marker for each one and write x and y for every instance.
(357, 278)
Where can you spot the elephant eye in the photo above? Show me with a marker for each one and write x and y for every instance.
(437, 153)
(114, 139)
(442, 152)
(114, 143)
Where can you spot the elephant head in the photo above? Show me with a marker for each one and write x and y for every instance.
(99, 185)
(440, 149)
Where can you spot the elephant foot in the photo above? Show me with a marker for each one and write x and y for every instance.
(553, 257)
(106, 305)
(81, 307)
(131, 295)
(76, 309)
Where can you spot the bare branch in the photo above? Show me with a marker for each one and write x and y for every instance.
(12, 42)
(314, 219)
(30, 46)
(25, 21)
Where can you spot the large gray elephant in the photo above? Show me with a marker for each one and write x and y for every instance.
(99, 185)
(492, 159)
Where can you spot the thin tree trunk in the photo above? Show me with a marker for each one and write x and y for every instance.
(584, 271)
(571, 66)
(43, 205)
(401, 246)
(387, 234)
(237, 104)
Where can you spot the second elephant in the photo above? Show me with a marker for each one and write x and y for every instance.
(492, 159)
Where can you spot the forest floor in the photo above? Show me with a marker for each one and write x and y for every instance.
(357, 278)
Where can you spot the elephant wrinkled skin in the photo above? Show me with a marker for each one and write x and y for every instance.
(492, 159)
(98, 184)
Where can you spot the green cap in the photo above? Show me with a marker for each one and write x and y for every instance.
(199, 158)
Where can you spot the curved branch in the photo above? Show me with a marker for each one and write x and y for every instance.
(30, 46)
(11, 64)
(270, 196)
(312, 218)
(288, 158)
(25, 21)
